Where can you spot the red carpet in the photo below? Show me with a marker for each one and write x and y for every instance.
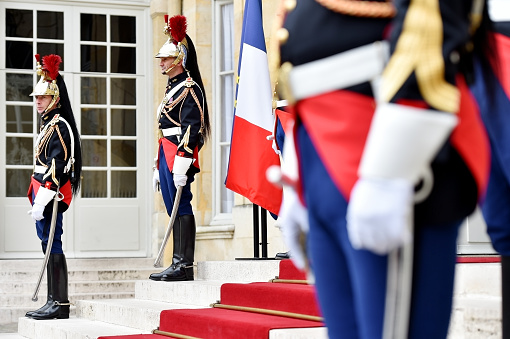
(265, 306)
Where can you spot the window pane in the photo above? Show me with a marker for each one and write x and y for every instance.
(227, 38)
(19, 87)
(19, 23)
(19, 119)
(227, 106)
(123, 91)
(123, 122)
(123, 184)
(19, 54)
(17, 182)
(19, 151)
(93, 27)
(93, 58)
(44, 49)
(93, 121)
(123, 29)
(93, 90)
(123, 60)
(93, 152)
(50, 25)
(124, 153)
(226, 195)
(93, 184)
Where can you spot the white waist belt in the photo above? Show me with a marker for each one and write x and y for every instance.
(338, 71)
(40, 169)
(171, 131)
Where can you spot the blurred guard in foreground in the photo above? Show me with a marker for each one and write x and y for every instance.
(492, 91)
(383, 119)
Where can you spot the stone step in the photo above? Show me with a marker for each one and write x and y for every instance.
(85, 286)
(78, 264)
(476, 317)
(72, 328)
(238, 270)
(299, 333)
(483, 279)
(198, 292)
(140, 314)
(25, 300)
(11, 336)
(11, 315)
(82, 275)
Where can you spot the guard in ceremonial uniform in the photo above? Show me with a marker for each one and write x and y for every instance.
(492, 91)
(391, 152)
(184, 126)
(57, 173)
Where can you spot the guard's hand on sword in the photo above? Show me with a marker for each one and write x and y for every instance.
(43, 197)
(37, 212)
(155, 180)
(293, 220)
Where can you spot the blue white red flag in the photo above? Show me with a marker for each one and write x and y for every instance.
(250, 150)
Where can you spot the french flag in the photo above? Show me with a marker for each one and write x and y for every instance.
(251, 152)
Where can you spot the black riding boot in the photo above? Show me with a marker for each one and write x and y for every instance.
(184, 233)
(49, 300)
(157, 276)
(59, 308)
(505, 283)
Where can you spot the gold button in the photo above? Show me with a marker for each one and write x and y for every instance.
(290, 5)
(283, 35)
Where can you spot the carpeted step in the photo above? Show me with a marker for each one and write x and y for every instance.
(288, 271)
(227, 324)
(294, 298)
(214, 323)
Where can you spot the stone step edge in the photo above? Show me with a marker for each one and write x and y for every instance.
(72, 328)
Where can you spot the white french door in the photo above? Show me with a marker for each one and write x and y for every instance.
(105, 66)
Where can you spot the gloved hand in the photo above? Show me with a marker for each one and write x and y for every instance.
(180, 179)
(293, 220)
(378, 214)
(37, 212)
(155, 180)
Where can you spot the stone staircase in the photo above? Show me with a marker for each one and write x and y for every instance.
(89, 279)
(476, 312)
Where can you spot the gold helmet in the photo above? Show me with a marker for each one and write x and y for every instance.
(47, 84)
(176, 46)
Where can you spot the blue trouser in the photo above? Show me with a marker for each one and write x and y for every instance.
(495, 207)
(43, 229)
(168, 189)
(351, 284)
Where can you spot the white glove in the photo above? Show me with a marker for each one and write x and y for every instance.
(378, 214)
(293, 220)
(37, 212)
(180, 179)
(155, 180)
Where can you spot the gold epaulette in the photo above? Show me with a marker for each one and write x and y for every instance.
(369, 9)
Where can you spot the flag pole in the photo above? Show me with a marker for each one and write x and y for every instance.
(256, 231)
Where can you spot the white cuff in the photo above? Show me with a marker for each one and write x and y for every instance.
(403, 141)
(181, 164)
(44, 196)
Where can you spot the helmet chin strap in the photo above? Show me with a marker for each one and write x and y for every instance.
(51, 105)
(174, 63)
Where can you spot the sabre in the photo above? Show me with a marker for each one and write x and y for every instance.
(400, 275)
(51, 235)
(170, 226)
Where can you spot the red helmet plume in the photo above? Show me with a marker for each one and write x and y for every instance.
(51, 64)
(178, 27)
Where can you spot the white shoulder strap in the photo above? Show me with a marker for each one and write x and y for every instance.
(168, 97)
